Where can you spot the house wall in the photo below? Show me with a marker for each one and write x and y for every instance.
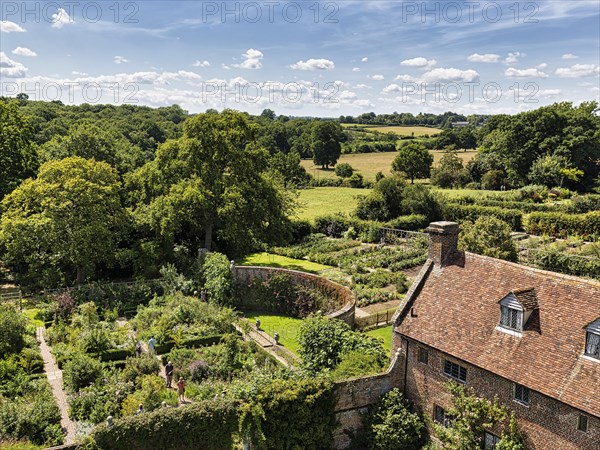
(547, 424)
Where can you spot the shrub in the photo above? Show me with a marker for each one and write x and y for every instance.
(493, 179)
(391, 425)
(81, 371)
(460, 213)
(489, 236)
(136, 367)
(563, 225)
(357, 363)
(12, 330)
(344, 170)
(218, 278)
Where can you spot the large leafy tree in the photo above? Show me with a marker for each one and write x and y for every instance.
(325, 143)
(489, 236)
(214, 178)
(414, 160)
(18, 159)
(62, 225)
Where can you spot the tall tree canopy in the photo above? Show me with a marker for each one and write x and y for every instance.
(414, 160)
(18, 158)
(325, 143)
(59, 227)
(211, 179)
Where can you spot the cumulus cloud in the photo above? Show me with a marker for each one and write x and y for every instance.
(356, 69)
(199, 63)
(61, 18)
(23, 51)
(513, 57)
(252, 60)
(569, 56)
(406, 78)
(549, 92)
(511, 72)
(314, 64)
(6, 26)
(10, 68)
(377, 77)
(119, 60)
(542, 66)
(485, 58)
(578, 71)
(77, 73)
(442, 75)
(392, 88)
(365, 59)
(420, 62)
(362, 86)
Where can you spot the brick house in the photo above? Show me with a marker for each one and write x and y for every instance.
(528, 336)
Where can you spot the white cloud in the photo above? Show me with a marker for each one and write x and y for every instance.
(486, 58)
(392, 88)
(6, 26)
(511, 72)
(578, 71)
(549, 92)
(542, 66)
(348, 95)
(377, 77)
(225, 67)
(365, 59)
(356, 69)
(420, 62)
(252, 60)
(23, 51)
(119, 60)
(451, 74)
(406, 78)
(81, 74)
(513, 57)
(10, 68)
(61, 18)
(362, 86)
(199, 63)
(569, 56)
(314, 64)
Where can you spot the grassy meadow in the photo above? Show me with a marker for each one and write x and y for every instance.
(319, 201)
(287, 327)
(368, 164)
(416, 131)
(271, 260)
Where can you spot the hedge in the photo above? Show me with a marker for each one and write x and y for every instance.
(460, 213)
(563, 225)
(114, 354)
(567, 263)
(203, 341)
(335, 225)
(209, 425)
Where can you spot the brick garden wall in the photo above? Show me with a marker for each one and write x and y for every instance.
(342, 295)
(547, 424)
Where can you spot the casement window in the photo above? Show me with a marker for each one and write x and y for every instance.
(511, 318)
(441, 417)
(490, 441)
(592, 344)
(582, 423)
(455, 371)
(521, 394)
(423, 355)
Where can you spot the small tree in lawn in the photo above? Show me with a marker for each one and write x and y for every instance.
(344, 170)
(489, 236)
(414, 160)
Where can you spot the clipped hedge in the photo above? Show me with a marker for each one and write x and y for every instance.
(460, 213)
(567, 263)
(335, 225)
(203, 341)
(114, 354)
(209, 425)
(563, 225)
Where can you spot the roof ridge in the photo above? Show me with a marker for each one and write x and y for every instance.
(549, 273)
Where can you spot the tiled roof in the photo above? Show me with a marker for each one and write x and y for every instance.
(526, 298)
(456, 311)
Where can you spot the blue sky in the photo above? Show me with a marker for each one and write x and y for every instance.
(305, 57)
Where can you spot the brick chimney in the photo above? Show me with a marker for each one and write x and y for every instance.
(443, 243)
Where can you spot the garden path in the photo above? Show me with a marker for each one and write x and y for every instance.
(54, 375)
(281, 354)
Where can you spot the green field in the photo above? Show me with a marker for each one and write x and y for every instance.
(271, 260)
(416, 131)
(384, 333)
(368, 164)
(287, 327)
(319, 201)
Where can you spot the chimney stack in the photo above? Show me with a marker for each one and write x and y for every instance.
(443, 243)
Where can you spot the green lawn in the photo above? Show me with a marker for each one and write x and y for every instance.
(456, 193)
(271, 260)
(30, 314)
(368, 164)
(319, 201)
(384, 333)
(287, 327)
(398, 129)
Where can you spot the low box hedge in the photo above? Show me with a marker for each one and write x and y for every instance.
(203, 341)
(564, 225)
(459, 213)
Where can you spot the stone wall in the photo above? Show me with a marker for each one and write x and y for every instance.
(343, 296)
(353, 398)
(545, 422)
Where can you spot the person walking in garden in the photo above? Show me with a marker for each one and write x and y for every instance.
(138, 348)
(169, 373)
(181, 389)
(151, 345)
(140, 409)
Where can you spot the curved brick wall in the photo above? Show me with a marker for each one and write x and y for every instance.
(342, 295)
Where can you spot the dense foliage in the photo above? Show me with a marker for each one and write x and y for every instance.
(488, 236)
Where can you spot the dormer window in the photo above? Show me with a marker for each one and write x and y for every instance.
(515, 310)
(592, 340)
